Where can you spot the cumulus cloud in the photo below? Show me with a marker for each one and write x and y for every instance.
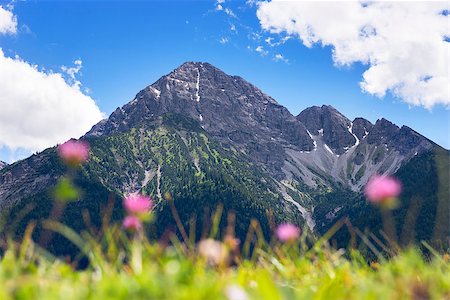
(8, 21)
(404, 45)
(40, 109)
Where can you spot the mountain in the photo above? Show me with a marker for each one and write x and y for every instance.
(2, 164)
(351, 151)
(207, 138)
(229, 109)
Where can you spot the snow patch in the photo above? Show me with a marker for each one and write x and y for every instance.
(328, 148)
(200, 117)
(156, 92)
(366, 133)
(197, 86)
(350, 129)
(314, 141)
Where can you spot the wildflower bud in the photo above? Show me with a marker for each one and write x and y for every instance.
(74, 152)
(213, 251)
(132, 223)
(383, 190)
(287, 232)
(137, 204)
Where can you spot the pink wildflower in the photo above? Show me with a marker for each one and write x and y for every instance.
(132, 223)
(74, 152)
(287, 232)
(215, 252)
(381, 189)
(137, 204)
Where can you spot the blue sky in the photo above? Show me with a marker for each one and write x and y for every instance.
(125, 46)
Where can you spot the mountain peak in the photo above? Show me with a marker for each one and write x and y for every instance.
(189, 65)
(191, 68)
(229, 108)
(334, 126)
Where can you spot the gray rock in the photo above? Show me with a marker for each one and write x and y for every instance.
(229, 108)
(335, 126)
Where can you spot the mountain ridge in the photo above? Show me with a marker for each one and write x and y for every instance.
(202, 134)
(240, 115)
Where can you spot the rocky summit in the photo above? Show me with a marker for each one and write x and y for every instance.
(315, 148)
(208, 137)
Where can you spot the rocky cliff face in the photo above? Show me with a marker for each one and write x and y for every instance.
(318, 147)
(229, 108)
(351, 151)
(27, 177)
(2, 164)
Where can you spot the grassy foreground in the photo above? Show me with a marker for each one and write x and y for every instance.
(130, 267)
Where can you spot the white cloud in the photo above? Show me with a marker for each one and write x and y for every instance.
(261, 50)
(280, 57)
(40, 109)
(72, 72)
(8, 21)
(219, 7)
(223, 40)
(403, 44)
(230, 13)
(251, 2)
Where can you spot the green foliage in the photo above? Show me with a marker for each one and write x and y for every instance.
(131, 268)
(65, 190)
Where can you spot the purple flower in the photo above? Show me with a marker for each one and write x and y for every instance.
(74, 152)
(287, 232)
(137, 204)
(382, 189)
(132, 223)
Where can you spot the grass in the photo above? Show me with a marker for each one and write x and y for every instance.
(128, 266)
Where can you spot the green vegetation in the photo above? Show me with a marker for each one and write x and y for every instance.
(129, 267)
